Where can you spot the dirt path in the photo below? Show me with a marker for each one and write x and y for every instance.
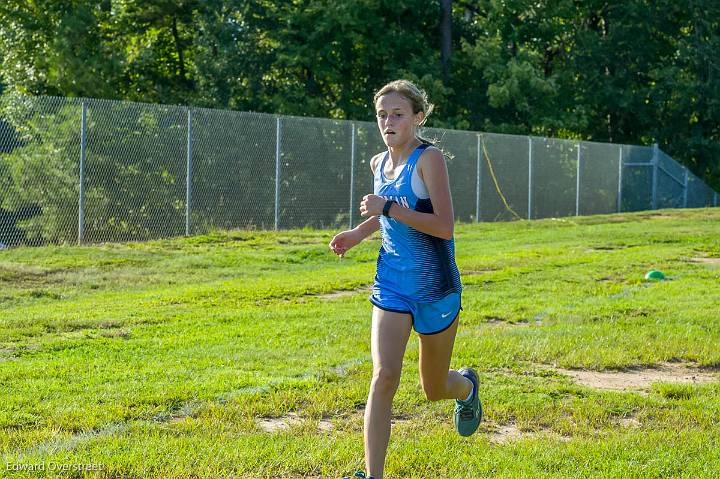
(639, 379)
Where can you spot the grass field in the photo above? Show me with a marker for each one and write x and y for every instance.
(234, 355)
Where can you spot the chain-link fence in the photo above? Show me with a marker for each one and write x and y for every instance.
(75, 170)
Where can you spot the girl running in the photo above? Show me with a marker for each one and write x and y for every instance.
(417, 284)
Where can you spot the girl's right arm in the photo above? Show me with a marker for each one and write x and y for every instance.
(342, 242)
(368, 227)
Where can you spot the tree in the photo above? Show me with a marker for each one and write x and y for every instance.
(637, 71)
(58, 47)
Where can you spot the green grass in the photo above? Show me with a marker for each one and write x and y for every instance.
(157, 359)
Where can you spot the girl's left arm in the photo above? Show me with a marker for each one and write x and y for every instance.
(432, 169)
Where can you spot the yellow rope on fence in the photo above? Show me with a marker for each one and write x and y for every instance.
(494, 178)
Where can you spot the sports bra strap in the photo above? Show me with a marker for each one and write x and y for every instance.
(382, 164)
(416, 154)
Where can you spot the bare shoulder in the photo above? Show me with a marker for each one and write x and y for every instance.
(375, 161)
(431, 161)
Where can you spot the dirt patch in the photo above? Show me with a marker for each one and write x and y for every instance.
(116, 333)
(325, 425)
(278, 424)
(8, 354)
(640, 379)
(705, 260)
(629, 423)
(507, 433)
(497, 433)
(287, 422)
(109, 324)
(28, 276)
(495, 320)
(498, 321)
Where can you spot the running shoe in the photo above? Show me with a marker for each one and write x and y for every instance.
(468, 414)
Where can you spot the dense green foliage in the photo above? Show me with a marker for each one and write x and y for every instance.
(637, 71)
(166, 359)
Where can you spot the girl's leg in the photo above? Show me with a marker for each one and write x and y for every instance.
(390, 333)
(437, 380)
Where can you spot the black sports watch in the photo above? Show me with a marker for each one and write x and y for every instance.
(386, 208)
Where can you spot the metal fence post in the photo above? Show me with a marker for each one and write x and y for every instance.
(278, 137)
(620, 180)
(577, 183)
(655, 161)
(83, 153)
(530, 172)
(477, 185)
(188, 174)
(715, 199)
(685, 190)
(352, 176)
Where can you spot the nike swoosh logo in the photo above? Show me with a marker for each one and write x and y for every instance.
(446, 314)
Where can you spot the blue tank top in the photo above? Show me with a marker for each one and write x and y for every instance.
(411, 263)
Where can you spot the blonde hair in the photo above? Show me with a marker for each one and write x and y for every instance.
(416, 96)
(418, 101)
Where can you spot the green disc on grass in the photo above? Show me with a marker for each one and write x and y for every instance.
(655, 275)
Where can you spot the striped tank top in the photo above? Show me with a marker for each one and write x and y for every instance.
(411, 263)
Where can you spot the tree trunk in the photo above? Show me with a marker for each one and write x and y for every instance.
(178, 47)
(445, 38)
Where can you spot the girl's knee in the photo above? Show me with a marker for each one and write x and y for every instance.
(385, 381)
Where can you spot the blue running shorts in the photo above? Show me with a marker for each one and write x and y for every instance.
(427, 318)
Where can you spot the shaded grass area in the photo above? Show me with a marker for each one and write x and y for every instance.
(156, 359)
